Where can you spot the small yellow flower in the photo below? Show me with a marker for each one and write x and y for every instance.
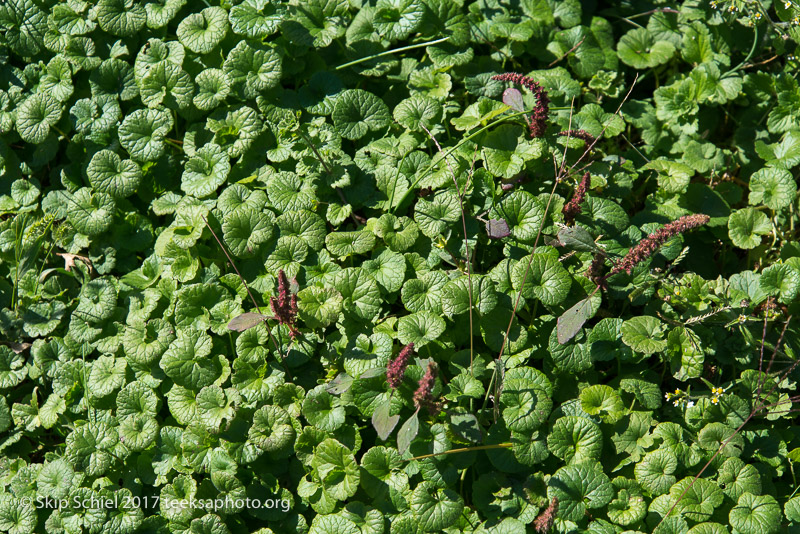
(717, 391)
(677, 392)
(757, 16)
(714, 400)
(787, 5)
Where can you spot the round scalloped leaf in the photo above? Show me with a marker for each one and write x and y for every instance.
(205, 171)
(628, 506)
(547, 280)
(55, 479)
(579, 487)
(736, 478)
(455, 295)
(319, 307)
(234, 128)
(397, 19)
(256, 19)
(602, 400)
(160, 14)
(108, 173)
(323, 410)
(306, 225)
(775, 188)
(360, 291)
(90, 212)
(332, 524)
(424, 293)
(336, 468)
(420, 328)
(435, 508)
(213, 87)
(123, 18)
(523, 213)
(138, 431)
(245, 230)
(644, 334)
(756, 514)
(36, 115)
(166, 84)
(143, 131)
(524, 405)
(639, 49)
(575, 439)
(41, 318)
(272, 429)
(746, 226)
(781, 280)
(97, 301)
(388, 269)
(344, 244)
(417, 111)
(698, 502)
(714, 435)
(144, 344)
(202, 32)
(655, 471)
(186, 361)
(433, 216)
(252, 68)
(358, 112)
(154, 52)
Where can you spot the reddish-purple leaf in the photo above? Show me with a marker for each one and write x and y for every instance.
(407, 433)
(513, 99)
(497, 228)
(383, 422)
(571, 321)
(245, 321)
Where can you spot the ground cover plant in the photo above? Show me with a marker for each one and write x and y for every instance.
(399, 266)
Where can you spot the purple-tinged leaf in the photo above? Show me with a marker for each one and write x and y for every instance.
(372, 373)
(340, 384)
(577, 238)
(571, 321)
(466, 426)
(382, 421)
(407, 433)
(245, 321)
(497, 228)
(513, 99)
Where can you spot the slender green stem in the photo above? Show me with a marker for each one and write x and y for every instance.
(390, 52)
(505, 445)
(749, 55)
(455, 147)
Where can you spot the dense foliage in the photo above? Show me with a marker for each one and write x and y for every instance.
(399, 266)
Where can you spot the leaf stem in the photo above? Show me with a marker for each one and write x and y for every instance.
(505, 445)
(390, 52)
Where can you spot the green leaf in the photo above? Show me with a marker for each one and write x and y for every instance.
(202, 32)
(252, 69)
(383, 422)
(205, 171)
(546, 279)
(336, 469)
(319, 307)
(639, 49)
(36, 115)
(120, 17)
(774, 188)
(575, 439)
(91, 213)
(579, 487)
(359, 291)
(756, 513)
(644, 334)
(435, 508)
(420, 328)
(357, 112)
(110, 174)
(745, 226)
(142, 133)
(781, 280)
(388, 269)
